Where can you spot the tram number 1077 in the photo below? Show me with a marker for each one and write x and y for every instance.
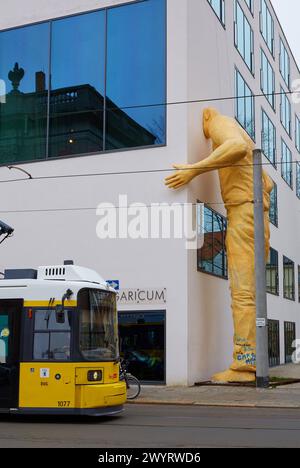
(63, 404)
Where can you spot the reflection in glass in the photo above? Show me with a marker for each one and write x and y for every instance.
(136, 75)
(77, 84)
(142, 343)
(212, 256)
(24, 60)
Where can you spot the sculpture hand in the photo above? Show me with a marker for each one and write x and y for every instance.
(183, 175)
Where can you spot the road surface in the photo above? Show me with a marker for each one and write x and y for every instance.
(158, 427)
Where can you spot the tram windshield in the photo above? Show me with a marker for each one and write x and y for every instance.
(98, 337)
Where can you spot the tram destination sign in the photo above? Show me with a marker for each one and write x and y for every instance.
(147, 296)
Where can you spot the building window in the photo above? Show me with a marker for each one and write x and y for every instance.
(285, 112)
(250, 5)
(297, 134)
(284, 64)
(289, 339)
(268, 139)
(267, 79)
(267, 26)
(94, 103)
(52, 338)
(274, 206)
(288, 279)
(24, 67)
(272, 273)
(212, 256)
(298, 179)
(244, 105)
(243, 37)
(274, 342)
(219, 8)
(142, 336)
(286, 164)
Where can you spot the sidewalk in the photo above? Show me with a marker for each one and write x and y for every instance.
(280, 397)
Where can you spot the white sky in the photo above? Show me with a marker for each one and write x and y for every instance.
(288, 12)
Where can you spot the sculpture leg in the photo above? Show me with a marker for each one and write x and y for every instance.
(240, 253)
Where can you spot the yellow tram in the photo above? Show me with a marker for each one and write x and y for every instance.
(59, 343)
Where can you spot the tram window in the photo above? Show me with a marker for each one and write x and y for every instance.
(52, 346)
(98, 334)
(51, 338)
(46, 320)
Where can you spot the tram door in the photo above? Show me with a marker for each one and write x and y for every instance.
(10, 319)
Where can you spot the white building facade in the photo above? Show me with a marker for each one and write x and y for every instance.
(98, 99)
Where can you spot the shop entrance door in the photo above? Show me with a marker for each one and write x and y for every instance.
(143, 344)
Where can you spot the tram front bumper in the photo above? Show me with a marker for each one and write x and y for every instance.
(100, 395)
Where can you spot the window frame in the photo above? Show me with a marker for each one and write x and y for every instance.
(49, 331)
(283, 54)
(224, 276)
(264, 117)
(276, 288)
(236, 104)
(268, 13)
(251, 68)
(285, 163)
(222, 18)
(290, 286)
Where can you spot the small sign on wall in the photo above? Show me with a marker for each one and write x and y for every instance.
(147, 296)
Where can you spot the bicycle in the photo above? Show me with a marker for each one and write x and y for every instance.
(132, 383)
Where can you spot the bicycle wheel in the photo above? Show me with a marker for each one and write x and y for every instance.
(133, 387)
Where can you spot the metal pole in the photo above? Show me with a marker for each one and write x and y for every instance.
(262, 358)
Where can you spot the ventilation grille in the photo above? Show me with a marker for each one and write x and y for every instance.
(54, 272)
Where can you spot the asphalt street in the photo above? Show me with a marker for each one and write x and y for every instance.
(158, 426)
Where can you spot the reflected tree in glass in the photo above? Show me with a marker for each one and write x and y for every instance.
(136, 74)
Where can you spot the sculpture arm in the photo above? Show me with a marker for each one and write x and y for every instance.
(230, 152)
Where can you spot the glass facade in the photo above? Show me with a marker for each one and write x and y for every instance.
(243, 37)
(219, 8)
(297, 133)
(135, 75)
(267, 79)
(212, 256)
(107, 90)
(244, 105)
(272, 273)
(268, 138)
(286, 164)
(274, 206)
(143, 344)
(285, 112)
(288, 279)
(267, 26)
(285, 65)
(298, 179)
(250, 5)
(24, 67)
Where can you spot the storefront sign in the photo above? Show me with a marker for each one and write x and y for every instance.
(142, 296)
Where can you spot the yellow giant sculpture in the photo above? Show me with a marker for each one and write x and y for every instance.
(233, 157)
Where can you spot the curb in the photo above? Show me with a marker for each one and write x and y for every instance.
(211, 405)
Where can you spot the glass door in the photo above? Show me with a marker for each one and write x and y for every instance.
(10, 318)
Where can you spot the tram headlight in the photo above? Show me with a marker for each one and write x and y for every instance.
(94, 376)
